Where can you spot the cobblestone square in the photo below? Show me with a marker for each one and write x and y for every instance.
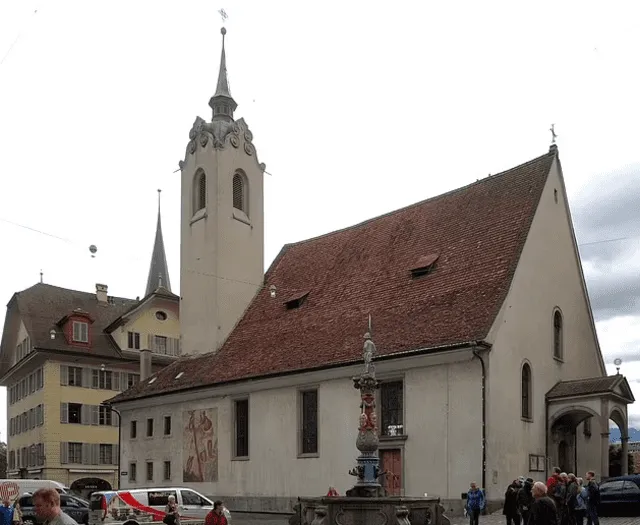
(492, 519)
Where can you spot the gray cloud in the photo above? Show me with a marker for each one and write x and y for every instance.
(609, 208)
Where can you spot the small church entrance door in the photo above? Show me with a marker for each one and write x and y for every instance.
(391, 460)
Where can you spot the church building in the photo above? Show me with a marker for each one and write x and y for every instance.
(486, 342)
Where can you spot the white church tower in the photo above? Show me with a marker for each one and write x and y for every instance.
(222, 224)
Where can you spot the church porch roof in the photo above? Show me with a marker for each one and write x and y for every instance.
(478, 232)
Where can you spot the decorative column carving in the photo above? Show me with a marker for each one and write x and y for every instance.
(624, 460)
(367, 469)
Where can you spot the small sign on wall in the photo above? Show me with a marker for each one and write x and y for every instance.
(537, 463)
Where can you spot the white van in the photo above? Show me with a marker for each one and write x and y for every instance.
(12, 488)
(135, 506)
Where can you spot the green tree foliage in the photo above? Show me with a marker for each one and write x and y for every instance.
(3, 460)
(615, 465)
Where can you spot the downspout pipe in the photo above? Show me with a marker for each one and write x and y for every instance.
(476, 353)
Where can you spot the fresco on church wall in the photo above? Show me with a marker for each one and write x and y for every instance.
(200, 445)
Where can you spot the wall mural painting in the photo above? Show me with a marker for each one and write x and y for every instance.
(200, 442)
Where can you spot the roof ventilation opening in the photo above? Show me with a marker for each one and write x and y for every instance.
(296, 300)
(424, 266)
(179, 375)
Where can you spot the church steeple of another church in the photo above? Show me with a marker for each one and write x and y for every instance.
(222, 103)
(158, 270)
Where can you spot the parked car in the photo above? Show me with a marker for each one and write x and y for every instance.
(75, 507)
(620, 495)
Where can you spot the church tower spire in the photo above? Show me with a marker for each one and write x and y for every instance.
(222, 103)
(158, 269)
(222, 223)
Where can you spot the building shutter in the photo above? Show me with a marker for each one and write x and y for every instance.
(64, 413)
(40, 454)
(86, 377)
(115, 383)
(123, 381)
(85, 414)
(115, 419)
(95, 415)
(94, 378)
(64, 375)
(95, 454)
(64, 452)
(41, 415)
(115, 457)
(86, 453)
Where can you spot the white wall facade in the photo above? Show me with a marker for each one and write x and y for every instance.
(548, 277)
(442, 416)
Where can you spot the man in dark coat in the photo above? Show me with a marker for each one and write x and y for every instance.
(510, 509)
(525, 500)
(543, 511)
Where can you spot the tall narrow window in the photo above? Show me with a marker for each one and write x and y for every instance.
(200, 191)
(239, 193)
(309, 423)
(557, 335)
(242, 428)
(526, 411)
(392, 408)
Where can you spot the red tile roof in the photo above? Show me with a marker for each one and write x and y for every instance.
(478, 232)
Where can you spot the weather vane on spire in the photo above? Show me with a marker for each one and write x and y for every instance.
(553, 133)
(223, 15)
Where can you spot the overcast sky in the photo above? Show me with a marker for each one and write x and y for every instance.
(357, 108)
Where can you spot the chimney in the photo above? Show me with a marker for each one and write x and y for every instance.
(101, 293)
(145, 363)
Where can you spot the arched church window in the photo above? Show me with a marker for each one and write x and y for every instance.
(200, 191)
(557, 335)
(526, 411)
(240, 193)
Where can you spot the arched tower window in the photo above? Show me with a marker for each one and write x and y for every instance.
(240, 193)
(527, 406)
(558, 349)
(200, 191)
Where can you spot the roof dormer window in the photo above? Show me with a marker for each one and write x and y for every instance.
(424, 265)
(80, 332)
(296, 300)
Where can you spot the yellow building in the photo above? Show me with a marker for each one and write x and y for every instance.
(63, 353)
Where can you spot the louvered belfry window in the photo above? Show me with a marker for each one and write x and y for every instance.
(200, 194)
(309, 434)
(238, 193)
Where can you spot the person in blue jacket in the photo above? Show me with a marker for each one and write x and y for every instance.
(6, 512)
(475, 504)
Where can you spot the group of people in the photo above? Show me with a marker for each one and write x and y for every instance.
(214, 517)
(46, 503)
(563, 500)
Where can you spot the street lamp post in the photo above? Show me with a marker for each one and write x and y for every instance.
(108, 405)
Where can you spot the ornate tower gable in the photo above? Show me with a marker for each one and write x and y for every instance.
(219, 135)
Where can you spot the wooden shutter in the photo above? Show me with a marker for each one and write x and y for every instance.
(85, 414)
(150, 342)
(95, 454)
(95, 378)
(64, 452)
(64, 375)
(41, 420)
(64, 413)
(115, 456)
(115, 380)
(95, 415)
(86, 377)
(115, 419)
(86, 453)
(123, 381)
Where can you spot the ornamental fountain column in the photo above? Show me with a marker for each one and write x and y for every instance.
(367, 470)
